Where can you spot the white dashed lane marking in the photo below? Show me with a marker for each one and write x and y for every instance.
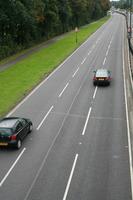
(75, 72)
(63, 90)
(45, 118)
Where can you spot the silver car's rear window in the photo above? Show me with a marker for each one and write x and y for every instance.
(102, 73)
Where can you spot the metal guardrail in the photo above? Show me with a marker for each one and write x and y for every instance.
(130, 43)
(130, 40)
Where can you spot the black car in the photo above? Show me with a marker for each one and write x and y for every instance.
(101, 77)
(13, 130)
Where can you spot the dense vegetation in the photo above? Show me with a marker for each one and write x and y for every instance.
(24, 22)
(123, 4)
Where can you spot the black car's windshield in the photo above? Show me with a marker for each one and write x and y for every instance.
(5, 132)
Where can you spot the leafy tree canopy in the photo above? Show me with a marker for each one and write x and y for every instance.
(24, 22)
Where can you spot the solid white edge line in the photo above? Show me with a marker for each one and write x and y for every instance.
(94, 95)
(70, 177)
(45, 118)
(34, 90)
(87, 119)
(63, 90)
(128, 129)
(7, 174)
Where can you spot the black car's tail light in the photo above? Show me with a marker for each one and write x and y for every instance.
(13, 137)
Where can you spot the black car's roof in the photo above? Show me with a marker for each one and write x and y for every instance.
(8, 122)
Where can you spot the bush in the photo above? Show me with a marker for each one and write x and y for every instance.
(5, 51)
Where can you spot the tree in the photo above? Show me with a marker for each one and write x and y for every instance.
(105, 5)
(23, 22)
(79, 9)
(38, 11)
(51, 15)
(65, 14)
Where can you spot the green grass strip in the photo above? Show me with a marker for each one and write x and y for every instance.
(18, 80)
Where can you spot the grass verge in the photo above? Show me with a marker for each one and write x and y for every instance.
(18, 80)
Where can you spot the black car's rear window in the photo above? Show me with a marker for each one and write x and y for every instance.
(5, 132)
(8, 123)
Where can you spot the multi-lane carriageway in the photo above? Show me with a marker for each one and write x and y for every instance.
(80, 146)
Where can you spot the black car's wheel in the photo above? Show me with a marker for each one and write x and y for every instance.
(19, 144)
(30, 128)
(94, 83)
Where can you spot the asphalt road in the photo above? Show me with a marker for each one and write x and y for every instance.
(79, 147)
